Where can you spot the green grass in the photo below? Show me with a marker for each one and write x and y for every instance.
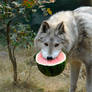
(29, 77)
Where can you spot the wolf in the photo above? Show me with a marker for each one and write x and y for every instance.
(71, 32)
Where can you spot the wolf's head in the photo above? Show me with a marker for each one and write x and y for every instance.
(51, 40)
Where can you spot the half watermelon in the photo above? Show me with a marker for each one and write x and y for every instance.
(51, 67)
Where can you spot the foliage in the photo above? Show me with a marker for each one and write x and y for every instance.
(16, 10)
(29, 3)
(22, 35)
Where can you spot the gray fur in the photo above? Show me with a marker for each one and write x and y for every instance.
(72, 31)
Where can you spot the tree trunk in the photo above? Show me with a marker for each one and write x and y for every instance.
(11, 55)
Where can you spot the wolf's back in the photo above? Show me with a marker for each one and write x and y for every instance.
(84, 10)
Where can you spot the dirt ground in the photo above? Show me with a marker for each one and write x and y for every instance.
(30, 79)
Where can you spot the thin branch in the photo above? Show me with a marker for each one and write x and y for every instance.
(11, 53)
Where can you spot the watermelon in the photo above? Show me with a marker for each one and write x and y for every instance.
(51, 67)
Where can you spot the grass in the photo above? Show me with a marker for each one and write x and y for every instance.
(29, 77)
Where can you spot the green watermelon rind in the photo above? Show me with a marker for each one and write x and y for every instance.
(52, 70)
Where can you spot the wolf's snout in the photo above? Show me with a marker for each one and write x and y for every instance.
(49, 58)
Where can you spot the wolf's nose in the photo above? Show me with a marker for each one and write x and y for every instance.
(49, 58)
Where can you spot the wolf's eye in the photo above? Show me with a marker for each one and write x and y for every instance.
(56, 45)
(46, 44)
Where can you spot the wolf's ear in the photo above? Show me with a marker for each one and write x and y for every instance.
(45, 27)
(60, 28)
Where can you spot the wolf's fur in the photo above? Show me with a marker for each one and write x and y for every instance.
(70, 31)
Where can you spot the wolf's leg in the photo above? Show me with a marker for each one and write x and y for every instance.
(89, 78)
(75, 69)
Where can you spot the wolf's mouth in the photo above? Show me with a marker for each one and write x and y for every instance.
(50, 58)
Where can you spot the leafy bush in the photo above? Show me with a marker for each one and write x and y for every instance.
(22, 35)
(20, 12)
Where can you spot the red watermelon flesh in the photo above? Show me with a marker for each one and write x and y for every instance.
(59, 59)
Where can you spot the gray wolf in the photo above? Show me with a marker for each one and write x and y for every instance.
(70, 31)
